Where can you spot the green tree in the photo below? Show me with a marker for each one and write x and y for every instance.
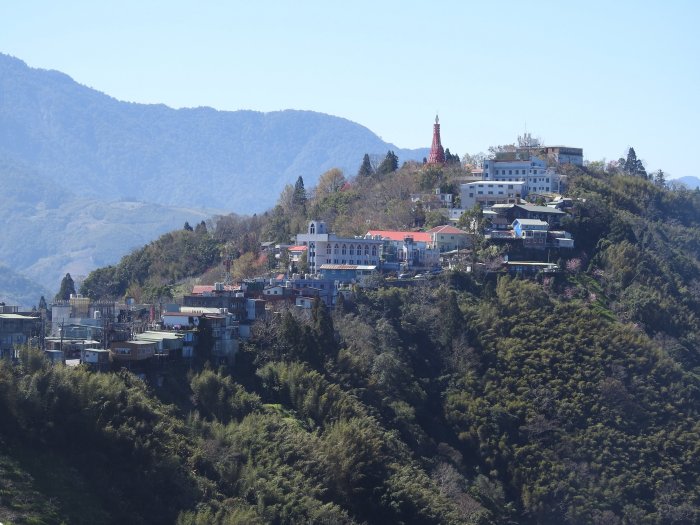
(660, 178)
(389, 164)
(299, 196)
(187, 226)
(365, 168)
(634, 166)
(67, 288)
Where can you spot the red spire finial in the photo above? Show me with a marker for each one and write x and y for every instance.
(437, 154)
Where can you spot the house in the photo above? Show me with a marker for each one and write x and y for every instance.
(328, 248)
(131, 351)
(529, 267)
(489, 192)
(305, 302)
(16, 330)
(532, 231)
(448, 238)
(296, 252)
(522, 167)
(95, 358)
(167, 343)
(559, 239)
(218, 296)
(346, 274)
(551, 216)
(406, 249)
(434, 200)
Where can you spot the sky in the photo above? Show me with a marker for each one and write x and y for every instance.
(599, 75)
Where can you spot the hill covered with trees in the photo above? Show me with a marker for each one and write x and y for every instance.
(103, 148)
(469, 398)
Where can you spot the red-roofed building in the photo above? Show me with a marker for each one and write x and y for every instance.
(405, 249)
(400, 235)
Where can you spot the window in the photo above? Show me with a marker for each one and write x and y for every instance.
(366, 250)
(312, 228)
(374, 251)
(510, 172)
(480, 192)
(335, 249)
(517, 172)
(344, 250)
(352, 250)
(328, 249)
(471, 194)
(510, 186)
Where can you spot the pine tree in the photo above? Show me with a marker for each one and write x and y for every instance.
(389, 164)
(42, 303)
(660, 178)
(365, 168)
(67, 288)
(299, 196)
(634, 166)
(201, 228)
(187, 226)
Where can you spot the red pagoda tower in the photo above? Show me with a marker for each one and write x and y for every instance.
(437, 154)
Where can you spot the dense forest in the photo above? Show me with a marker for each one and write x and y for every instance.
(469, 398)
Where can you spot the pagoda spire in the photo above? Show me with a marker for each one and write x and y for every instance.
(437, 154)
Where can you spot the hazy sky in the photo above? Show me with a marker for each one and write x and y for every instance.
(598, 75)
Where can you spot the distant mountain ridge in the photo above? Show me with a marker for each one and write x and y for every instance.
(690, 181)
(85, 178)
(100, 147)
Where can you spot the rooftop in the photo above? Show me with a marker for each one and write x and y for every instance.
(447, 229)
(200, 289)
(540, 209)
(531, 222)
(347, 267)
(400, 236)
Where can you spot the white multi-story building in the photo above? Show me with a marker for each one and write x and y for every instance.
(328, 248)
(489, 192)
(533, 171)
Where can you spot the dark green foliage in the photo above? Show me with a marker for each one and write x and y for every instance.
(299, 196)
(389, 164)
(365, 168)
(633, 166)
(67, 288)
(172, 257)
(567, 399)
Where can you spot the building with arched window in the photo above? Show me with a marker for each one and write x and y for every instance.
(328, 248)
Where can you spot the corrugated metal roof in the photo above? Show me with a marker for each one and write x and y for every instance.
(540, 209)
(17, 316)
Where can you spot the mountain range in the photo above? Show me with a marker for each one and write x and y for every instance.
(85, 178)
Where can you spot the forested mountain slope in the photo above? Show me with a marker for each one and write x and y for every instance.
(467, 399)
(107, 149)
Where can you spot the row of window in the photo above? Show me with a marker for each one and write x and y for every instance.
(343, 250)
(517, 172)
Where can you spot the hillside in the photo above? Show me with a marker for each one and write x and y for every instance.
(68, 233)
(469, 398)
(102, 148)
(88, 177)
